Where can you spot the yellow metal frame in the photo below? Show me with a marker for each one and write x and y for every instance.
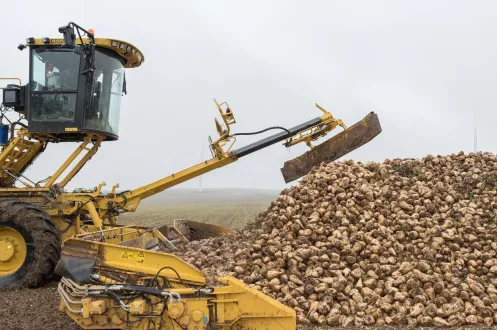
(90, 138)
(232, 305)
(16, 157)
(328, 123)
(133, 197)
(132, 55)
(21, 152)
(130, 260)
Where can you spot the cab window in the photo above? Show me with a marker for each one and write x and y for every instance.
(54, 84)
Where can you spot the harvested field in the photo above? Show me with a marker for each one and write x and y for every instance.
(232, 208)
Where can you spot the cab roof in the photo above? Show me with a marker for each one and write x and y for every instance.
(132, 56)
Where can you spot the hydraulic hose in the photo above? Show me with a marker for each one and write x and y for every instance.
(262, 131)
(275, 138)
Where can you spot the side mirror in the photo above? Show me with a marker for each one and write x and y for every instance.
(68, 33)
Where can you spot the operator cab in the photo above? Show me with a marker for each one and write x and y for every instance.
(75, 85)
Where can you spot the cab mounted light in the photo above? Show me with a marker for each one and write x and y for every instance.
(122, 46)
(128, 49)
(46, 40)
(30, 41)
(114, 43)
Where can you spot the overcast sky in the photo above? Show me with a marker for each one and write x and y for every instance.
(428, 68)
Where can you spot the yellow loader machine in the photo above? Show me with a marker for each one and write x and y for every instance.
(121, 277)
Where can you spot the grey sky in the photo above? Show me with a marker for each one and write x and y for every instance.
(424, 66)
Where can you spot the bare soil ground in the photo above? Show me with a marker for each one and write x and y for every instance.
(31, 309)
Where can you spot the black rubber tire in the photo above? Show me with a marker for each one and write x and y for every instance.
(42, 239)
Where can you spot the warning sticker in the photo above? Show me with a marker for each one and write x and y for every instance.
(136, 256)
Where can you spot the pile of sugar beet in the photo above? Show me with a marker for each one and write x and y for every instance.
(403, 242)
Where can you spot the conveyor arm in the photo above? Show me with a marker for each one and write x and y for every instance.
(222, 155)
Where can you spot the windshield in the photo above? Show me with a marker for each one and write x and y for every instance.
(54, 84)
(108, 78)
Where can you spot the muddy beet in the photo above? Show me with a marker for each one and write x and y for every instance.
(406, 242)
